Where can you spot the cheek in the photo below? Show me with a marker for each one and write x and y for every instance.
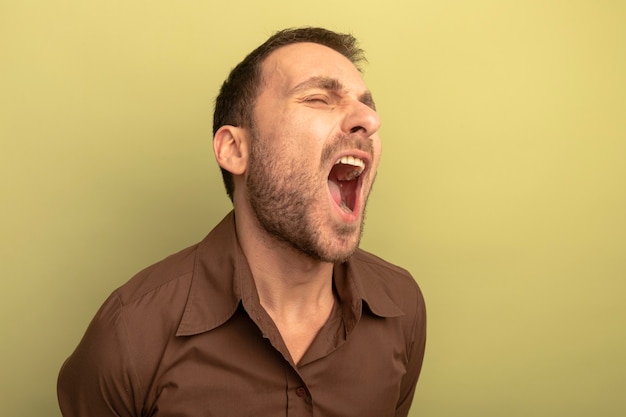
(378, 149)
(294, 128)
(305, 139)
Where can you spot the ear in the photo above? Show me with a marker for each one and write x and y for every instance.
(230, 145)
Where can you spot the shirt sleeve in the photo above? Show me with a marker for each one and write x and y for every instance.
(99, 378)
(416, 357)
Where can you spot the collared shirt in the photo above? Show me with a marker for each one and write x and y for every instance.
(189, 337)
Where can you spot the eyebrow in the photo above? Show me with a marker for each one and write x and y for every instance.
(334, 85)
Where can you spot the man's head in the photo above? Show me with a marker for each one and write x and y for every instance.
(235, 103)
(303, 147)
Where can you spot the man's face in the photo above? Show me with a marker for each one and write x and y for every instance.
(314, 151)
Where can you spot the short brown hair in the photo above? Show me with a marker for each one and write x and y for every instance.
(235, 103)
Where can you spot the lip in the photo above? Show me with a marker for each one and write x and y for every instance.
(355, 214)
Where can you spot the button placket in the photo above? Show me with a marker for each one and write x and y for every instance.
(301, 391)
(299, 401)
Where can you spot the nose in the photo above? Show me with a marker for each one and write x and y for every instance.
(361, 119)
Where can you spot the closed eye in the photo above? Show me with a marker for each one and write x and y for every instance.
(317, 99)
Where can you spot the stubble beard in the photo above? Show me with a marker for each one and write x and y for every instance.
(285, 197)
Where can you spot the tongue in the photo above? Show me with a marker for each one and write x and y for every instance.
(335, 193)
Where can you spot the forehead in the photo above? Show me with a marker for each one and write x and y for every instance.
(290, 65)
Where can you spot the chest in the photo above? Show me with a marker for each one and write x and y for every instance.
(235, 371)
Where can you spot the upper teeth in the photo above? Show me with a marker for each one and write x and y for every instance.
(351, 160)
(349, 175)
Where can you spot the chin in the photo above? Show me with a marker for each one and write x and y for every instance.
(343, 257)
(341, 249)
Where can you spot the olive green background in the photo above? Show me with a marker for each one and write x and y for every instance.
(502, 186)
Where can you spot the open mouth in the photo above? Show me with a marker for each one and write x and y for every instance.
(344, 182)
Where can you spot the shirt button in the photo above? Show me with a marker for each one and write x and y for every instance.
(301, 392)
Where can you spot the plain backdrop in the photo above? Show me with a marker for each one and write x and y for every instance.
(502, 186)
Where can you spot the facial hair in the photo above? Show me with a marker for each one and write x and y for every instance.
(284, 194)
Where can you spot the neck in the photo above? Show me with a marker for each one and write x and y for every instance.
(294, 289)
(289, 282)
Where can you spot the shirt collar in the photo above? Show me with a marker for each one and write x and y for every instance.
(222, 279)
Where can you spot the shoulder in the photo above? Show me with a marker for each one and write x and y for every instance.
(378, 265)
(152, 298)
(380, 277)
(132, 327)
(390, 291)
(146, 309)
(161, 277)
(114, 363)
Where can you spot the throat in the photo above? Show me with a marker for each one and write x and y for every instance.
(343, 193)
(343, 184)
(298, 332)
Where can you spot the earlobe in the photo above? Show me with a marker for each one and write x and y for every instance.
(230, 145)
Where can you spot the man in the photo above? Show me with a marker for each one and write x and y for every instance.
(276, 312)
